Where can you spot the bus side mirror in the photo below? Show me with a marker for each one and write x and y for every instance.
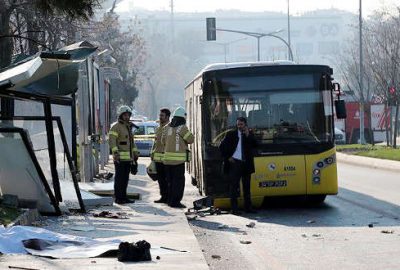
(340, 107)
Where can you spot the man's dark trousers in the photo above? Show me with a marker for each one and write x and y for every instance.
(237, 171)
(162, 181)
(121, 179)
(176, 183)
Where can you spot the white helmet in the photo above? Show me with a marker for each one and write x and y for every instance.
(124, 109)
(180, 112)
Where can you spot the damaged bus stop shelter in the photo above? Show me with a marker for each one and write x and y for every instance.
(36, 163)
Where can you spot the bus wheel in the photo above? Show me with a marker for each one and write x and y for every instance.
(316, 199)
(194, 181)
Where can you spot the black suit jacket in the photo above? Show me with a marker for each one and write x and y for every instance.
(228, 146)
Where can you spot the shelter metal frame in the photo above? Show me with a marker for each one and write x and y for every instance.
(52, 154)
(32, 155)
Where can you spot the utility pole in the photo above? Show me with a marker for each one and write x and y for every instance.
(172, 25)
(288, 23)
(362, 139)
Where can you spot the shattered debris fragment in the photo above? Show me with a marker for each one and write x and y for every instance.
(216, 257)
(83, 228)
(251, 225)
(109, 214)
(387, 231)
(245, 242)
(223, 226)
(191, 218)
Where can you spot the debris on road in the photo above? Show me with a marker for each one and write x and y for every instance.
(104, 175)
(310, 221)
(316, 235)
(191, 218)
(371, 225)
(216, 257)
(158, 257)
(134, 252)
(83, 228)
(109, 214)
(251, 225)
(173, 249)
(22, 268)
(304, 235)
(223, 226)
(245, 242)
(387, 231)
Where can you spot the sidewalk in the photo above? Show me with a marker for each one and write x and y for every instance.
(369, 162)
(158, 224)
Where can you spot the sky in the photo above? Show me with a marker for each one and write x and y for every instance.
(296, 6)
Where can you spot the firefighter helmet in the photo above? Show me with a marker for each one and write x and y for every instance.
(180, 112)
(124, 109)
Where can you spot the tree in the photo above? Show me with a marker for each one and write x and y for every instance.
(12, 11)
(350, 73)
(381, 44)
(383, 54)
(125, 51)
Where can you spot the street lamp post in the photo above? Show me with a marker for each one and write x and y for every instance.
(259, 36)
(362, 138)
(288, 23)
(226, 44)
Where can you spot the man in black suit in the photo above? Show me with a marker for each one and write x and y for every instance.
(237, 150)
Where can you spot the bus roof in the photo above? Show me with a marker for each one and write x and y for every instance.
(233, 65)
(218, 66)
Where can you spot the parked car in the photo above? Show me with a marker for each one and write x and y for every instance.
(340, 136)
(144, 136)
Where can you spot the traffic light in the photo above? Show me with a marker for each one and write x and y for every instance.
(392, 96)
(211, 29)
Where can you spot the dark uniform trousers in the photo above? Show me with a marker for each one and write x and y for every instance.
(237, 171)
(121, 179)
(176, 183)
(162, 180)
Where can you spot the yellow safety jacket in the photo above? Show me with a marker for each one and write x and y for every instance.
(121, 141)
(157, 152)
(175, 141)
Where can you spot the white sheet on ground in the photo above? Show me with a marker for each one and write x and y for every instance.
(11, 243)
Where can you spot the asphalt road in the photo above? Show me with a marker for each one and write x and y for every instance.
(358, 229)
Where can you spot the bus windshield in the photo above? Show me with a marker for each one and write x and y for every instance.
(279, 109)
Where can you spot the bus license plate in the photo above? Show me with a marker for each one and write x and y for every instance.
(268, 184)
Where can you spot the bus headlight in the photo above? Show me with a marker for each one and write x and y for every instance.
(320, 164)
(329, 160)
(316, 180)
(317, 172)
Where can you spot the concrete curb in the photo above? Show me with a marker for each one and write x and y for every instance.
(375, 163)
(26, 218)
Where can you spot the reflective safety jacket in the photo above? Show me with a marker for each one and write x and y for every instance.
(121, 141)
(157, 152)
(175, 141)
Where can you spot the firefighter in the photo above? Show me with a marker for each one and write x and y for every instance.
(176, 136)
(157, 156)
(125, 153)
